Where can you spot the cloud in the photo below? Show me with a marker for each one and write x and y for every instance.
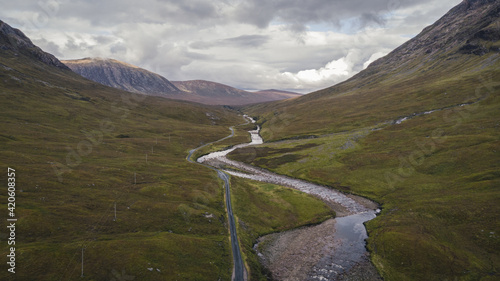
(118, 49)
(333, 72)
(373, 58)
(247, 40)
(242, 41)
(48, 46)
(251, 44)
(298, 13)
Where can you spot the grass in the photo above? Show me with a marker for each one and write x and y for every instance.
(78, 149)
(349, 106)
(241, 135)
(436, 175)
(262, 208)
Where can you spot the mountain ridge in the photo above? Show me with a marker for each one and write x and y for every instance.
(417, 131)
(125, 76)
(101, 173)
(471, 27)
(74, 145)
(13, 39)
(122, 75)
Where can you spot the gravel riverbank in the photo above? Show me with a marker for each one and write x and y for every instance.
(332, 250)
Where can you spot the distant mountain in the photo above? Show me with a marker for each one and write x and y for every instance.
(277, 94)
(210, 89)
(215, 93)
(12, 39)
(123, 76)
(76, 145)
(131, 78)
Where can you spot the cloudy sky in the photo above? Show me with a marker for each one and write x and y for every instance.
(299, 45)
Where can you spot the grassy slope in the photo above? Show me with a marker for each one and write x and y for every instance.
(263, 208)
(436, 175)
(160, 222)
(241, 135)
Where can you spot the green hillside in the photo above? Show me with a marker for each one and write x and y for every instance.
(103, 173)
(79, 149)
(436, 174)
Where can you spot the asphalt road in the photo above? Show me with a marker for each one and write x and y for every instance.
(239, 269)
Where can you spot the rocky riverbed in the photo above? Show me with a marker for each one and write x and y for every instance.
(332, 250)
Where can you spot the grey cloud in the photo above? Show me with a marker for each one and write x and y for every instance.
(118, 48)
(195, 56)
(297, 13)
(104, 13)
(243, 41)
(247, 40)
(72, 46)
(103, 39)
(199, 9)
(370, 19)
(201, 45)
(48, 46)
(182, 39)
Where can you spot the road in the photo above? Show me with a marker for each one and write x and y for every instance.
(347, 235)
(238, 269)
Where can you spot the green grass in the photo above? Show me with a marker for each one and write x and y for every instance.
(436, 178)
(97, 138)
(262, 208)
(436, 175)
(385, 97)
(241, 135)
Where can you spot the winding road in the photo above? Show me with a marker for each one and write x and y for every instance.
(239, 270)
(329, 263)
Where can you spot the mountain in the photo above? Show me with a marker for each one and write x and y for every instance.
(464, 42)
(215, 93)
(277, 94)
(418, 132)
(102, 187)
(102, 172)
(131, 78)
(123, 76)
(211, 90)
(14, 40)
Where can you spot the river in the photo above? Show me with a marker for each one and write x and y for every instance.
(333, 250)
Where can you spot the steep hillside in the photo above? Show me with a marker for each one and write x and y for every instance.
(103, 189)
(12, 39)
(131, 78)
(418, 132)
(102, 172)
(438, 68)
(123, 76)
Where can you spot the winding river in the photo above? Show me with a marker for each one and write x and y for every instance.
(332, 250)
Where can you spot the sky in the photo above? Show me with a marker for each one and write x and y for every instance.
(297, 45)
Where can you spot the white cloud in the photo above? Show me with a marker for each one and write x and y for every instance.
(373, 58)
(334, 71)
(251, 44)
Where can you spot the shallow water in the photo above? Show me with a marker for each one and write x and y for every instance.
(349, 238)
(349, 231)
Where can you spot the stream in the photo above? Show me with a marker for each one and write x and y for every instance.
(332, 250)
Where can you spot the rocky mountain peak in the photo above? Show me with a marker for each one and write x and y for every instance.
(472, 27)
(12, 39)
(122, 75)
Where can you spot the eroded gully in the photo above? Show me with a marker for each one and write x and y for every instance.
(332, 250)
